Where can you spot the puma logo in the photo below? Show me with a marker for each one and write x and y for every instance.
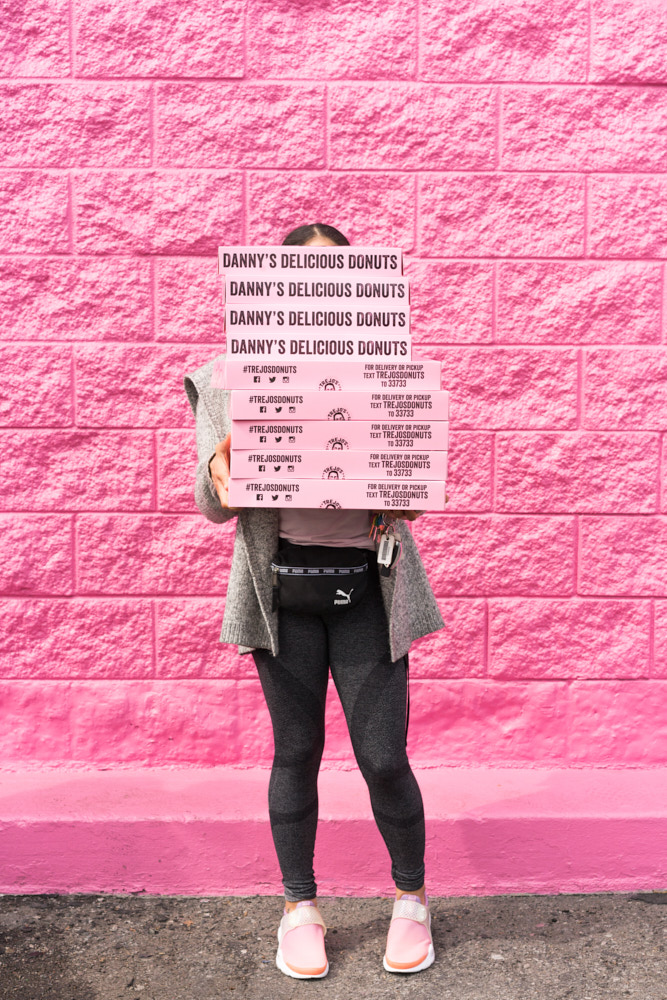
(348, 597)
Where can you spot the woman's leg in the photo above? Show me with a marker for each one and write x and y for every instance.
(295, 685)
(373, 692)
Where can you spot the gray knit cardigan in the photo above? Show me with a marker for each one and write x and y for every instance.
(249, 622)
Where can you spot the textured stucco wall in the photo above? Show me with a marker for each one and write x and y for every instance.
(517, 151)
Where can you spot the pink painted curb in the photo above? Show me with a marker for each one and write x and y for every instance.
(205, 831)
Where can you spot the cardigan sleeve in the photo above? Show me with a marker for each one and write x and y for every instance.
(208, 436)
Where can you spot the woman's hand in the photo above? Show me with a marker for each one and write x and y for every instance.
(220, 469)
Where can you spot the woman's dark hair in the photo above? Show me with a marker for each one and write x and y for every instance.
(302, 234)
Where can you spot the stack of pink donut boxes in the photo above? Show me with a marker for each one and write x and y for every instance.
(329, 407)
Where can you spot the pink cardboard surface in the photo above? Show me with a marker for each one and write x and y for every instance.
(328, 376)
(360, 435)
(303, 261)
(342, 494)
(333, 316)
(282, 286)
(332, 345)
(251, 405)
(323, 464)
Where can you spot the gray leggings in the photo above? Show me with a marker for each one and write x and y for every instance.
(373, 693)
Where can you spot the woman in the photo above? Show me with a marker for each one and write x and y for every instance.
(366, 649)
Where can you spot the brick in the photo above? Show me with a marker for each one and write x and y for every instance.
(450, 302)
(627, 216)
(618, 723)
(663, 474)
(188, 645)
(141, 38)
(660, 639)
(416, 127)
(157, 212)
(58, 640)
(577, 473)
(573, 128)
(510, 387)
(625, 389)
(135, 386)
(37, 554)
(37, 386)
(76, 470)
(457, 650)
(190, 304)
(75, 299)
(66, 125)
(469, 470)
(152, 554)
(549, 302)
(551, 640)
(233, 125)
(524, 40)
(119, 722)
(623, 556)
(486, 554)
(177, 464)
(628, 41)
(34, 215)
(457, 722)
(372, 41)
(501, 215)
(36, 38)
(371, 209)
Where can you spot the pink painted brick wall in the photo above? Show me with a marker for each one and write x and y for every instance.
(516, 152)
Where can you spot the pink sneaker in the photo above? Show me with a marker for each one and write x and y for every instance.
(409, 941)
(301, 953)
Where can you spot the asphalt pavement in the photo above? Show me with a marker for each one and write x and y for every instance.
(585, 947)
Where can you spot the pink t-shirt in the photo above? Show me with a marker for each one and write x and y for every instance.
(338, 528)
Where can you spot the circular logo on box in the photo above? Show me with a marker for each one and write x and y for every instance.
(330, 384)
(339, 413)
(337, 444)
(333, 472)
(330, 505)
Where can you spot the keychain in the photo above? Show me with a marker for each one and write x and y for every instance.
(389, 545)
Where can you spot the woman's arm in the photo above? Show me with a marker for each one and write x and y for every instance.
(212, 470)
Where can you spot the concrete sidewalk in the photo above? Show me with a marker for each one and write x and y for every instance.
(584, 947)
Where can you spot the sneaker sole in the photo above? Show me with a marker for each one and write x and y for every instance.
(284, 968)
(429, 960)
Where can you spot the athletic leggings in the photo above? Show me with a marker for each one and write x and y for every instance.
(373, 692)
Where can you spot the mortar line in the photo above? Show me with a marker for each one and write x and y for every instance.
(663, 294)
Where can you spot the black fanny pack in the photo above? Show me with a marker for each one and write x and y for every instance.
(319, 579)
